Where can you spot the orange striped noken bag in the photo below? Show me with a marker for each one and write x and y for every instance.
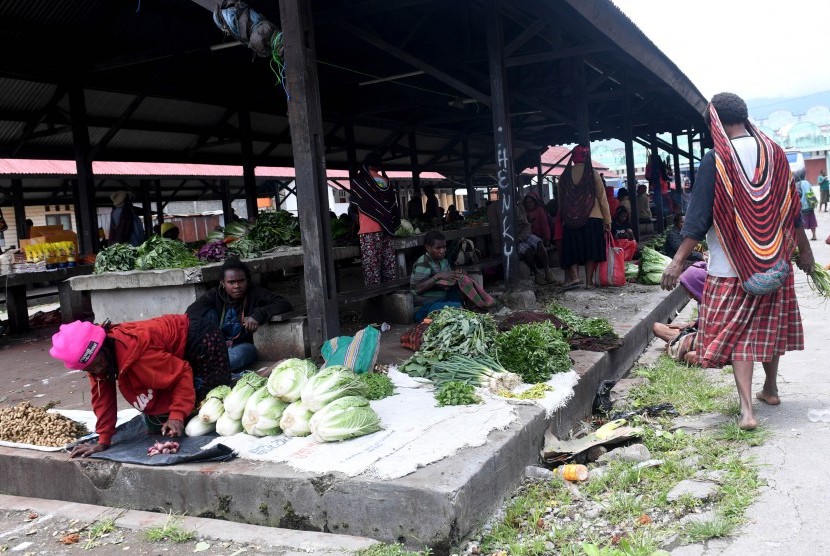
(754, 218)
(358, 352)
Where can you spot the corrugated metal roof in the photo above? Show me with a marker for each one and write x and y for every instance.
(24, 167)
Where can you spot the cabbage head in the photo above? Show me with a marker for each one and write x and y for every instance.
(287, 378)
(227, 425)
(344, 418)
(245, 387)
(294, 420)
(197, 427)
(262, 413)
(329, 384)
(213, 407)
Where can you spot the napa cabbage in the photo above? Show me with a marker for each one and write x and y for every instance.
(344, 418)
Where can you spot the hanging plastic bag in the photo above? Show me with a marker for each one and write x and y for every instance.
(611, 272)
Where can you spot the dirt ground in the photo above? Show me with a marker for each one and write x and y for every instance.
(28, 534)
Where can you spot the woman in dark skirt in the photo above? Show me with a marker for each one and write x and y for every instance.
(586, 218)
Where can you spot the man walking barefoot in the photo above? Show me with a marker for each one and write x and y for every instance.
(749, 310)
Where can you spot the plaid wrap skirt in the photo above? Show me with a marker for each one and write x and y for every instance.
(738, 326)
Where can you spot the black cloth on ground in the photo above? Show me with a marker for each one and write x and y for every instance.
(131, 441)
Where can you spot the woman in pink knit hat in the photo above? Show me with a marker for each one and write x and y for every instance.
(162, 367)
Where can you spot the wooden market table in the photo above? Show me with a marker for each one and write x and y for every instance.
(15, 285)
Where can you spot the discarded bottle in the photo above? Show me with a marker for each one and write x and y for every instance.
(573, 472)
(536, 472)
(818, 415)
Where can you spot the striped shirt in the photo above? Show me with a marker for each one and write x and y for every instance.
(426, 267)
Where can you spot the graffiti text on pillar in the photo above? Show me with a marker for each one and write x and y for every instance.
(506, 194)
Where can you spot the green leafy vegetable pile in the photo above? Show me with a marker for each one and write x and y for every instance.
(534, 351)
(652, 265)
(458, 331)
(120, 256)
(593, 327)
(273, 229)
(160, 252)
(378, 386)
(456, 393)
(245, 248)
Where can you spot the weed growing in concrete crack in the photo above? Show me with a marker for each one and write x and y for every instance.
(171, 530)
(97, 531)
(705, 530)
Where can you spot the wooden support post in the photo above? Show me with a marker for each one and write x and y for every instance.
(540, 178)
(503, 138)
(19, 210)
(630, 172)
(468, 175)
(654, 182)
(159, 202)
(351, 152)
(305, 119)
(146, 207)
(691, 157)
(227, 209)
(583, 124)
(415, 168)
(248, 174)
(678, 181)
(88, 219)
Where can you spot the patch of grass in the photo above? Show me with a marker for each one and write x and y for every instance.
(635, 500)
(391, 550)
(97, 531)
(687, 388)
(171, 530)
(705, 530)
(732, 432)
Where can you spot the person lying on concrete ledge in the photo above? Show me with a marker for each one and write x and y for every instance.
(238, 308)
(435, 285)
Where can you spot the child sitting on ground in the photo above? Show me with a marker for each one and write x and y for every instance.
(435, 285)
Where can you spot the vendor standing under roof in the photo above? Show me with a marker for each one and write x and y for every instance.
(238, 308)
(125, 226)
(380, 216)
(162, 366)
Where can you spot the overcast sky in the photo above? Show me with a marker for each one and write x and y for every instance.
(748, 47)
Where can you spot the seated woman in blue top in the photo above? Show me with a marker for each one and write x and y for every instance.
(435, 285)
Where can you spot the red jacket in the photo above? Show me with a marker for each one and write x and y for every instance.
(152, 373)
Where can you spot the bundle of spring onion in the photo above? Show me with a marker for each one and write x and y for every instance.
(818, 279)
(481, 371)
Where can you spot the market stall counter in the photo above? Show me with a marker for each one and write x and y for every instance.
(138, 295)
(73, 303)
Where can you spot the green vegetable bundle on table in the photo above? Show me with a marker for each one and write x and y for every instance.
(534, 351)
(594, 327)
(296, 400)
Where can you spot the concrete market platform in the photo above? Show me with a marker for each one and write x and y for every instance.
(436, 506)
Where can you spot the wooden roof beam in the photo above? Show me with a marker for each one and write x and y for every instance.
(415, 62)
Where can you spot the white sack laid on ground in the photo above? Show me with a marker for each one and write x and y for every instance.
(416, 433)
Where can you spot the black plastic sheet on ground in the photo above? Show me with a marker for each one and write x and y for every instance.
(131, 440)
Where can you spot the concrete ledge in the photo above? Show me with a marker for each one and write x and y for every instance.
(437, 506)
(280, 340)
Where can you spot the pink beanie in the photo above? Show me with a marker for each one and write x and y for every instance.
(77, 344)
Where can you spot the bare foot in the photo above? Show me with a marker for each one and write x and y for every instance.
(769, 399)
(747, 423)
